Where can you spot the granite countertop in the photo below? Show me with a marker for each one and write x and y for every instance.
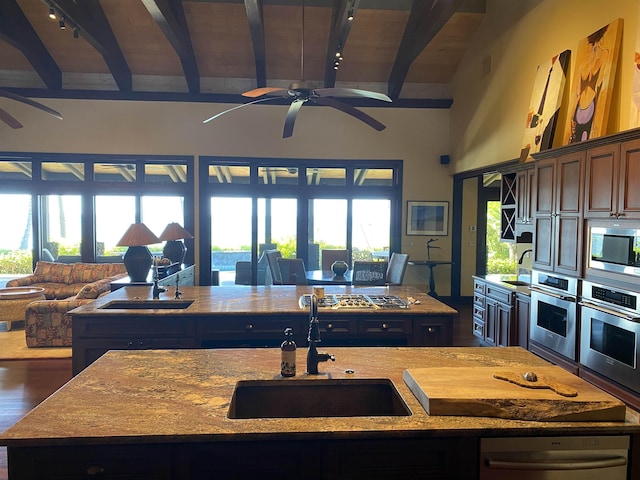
(509, 281)
(168, 396)
(281, 299)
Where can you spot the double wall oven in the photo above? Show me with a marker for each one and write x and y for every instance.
(554, 313)
(610, 330)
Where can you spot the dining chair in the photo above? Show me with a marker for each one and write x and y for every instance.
(397, 268)
(369, 273)
(292, 271)
(332, 255)
(272, 262)
(243, 273)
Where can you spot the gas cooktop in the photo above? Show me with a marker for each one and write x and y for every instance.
(355, 301)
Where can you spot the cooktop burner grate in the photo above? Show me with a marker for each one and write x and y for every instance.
(354, 301)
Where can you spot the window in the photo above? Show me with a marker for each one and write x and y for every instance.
(300, 207)
(16, 242)
(60, 228)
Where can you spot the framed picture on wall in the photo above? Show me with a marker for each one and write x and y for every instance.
(427, 218)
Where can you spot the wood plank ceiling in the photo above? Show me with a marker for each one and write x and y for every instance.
(406, 48)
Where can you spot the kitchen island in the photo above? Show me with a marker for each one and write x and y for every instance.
(164, 414)
(221, 317)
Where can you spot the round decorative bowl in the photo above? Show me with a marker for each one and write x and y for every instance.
(339, 268)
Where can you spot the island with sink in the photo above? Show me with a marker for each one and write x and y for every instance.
(227, 413)
(222, 317)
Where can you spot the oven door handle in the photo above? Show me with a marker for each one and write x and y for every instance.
(554, 295)
(576, 464)
(615, 313)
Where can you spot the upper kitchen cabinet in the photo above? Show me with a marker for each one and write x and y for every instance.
(557, 213)
(516, 192)
(612, 181)
(524, 192)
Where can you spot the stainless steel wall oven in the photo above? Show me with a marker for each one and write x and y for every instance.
(610, 326)
(554, 312)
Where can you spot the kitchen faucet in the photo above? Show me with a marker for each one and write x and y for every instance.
(157, 290)
(313, 356)
(529, 250)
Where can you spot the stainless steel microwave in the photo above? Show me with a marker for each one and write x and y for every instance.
(614, 247)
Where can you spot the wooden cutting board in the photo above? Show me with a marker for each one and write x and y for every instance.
(476, 392)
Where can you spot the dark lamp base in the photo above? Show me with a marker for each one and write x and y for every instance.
(138, 261)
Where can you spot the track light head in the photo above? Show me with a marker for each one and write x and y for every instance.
(350, 15)
(76, 32)
(62, 24)
(52, 13)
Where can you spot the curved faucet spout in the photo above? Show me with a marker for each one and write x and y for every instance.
(313, 356)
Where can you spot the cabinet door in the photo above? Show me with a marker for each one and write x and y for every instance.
(544, 191)
(503, 325)
(601, 182)
(523, 315)
(629, 182)
(567, 235)
(491, 320)
(542, 210)
(524, 190)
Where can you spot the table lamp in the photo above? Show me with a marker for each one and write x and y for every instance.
(174, 249)
(138, 258)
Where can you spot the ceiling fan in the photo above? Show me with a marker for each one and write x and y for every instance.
(302, 92)
(10, 120)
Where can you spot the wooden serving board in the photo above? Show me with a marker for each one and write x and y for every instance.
(476, 392)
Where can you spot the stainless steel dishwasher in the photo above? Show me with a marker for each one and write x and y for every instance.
(551, 458)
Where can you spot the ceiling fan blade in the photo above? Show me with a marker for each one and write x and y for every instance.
(9, 120)
(258, 92)
(239, 106)
(290, 119)
(351, 92)
(32, 103)
(348, 109)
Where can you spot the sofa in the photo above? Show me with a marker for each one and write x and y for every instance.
(67, 286)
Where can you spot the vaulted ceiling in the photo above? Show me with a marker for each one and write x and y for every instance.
(409, 49)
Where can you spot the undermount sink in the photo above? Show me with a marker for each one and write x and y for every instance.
(316, 398)
(516, 283)
(147, 305)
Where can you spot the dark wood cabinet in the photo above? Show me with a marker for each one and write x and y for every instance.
(523, 318)
(508, 200)
(558, 219)
(612, 179)
(525, 183)
(494, 314)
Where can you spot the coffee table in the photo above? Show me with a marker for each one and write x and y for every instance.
(14, 301)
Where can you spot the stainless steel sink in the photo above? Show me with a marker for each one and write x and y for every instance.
(516, 283)
(316, 398)
(147, 305)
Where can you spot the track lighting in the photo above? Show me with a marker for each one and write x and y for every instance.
(62, 24)
(76, 32)
(52, 13)
(350, 15)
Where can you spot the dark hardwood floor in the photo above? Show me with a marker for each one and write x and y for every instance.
(24, 384)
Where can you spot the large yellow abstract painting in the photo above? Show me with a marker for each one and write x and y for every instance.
(592, 86)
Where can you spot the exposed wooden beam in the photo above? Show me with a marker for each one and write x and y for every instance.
(426, 19)
(169, 15)
(340, 27)
(256, 27)
(16, 30)
(94, 27)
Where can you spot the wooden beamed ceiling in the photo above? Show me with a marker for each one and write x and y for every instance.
(229, 46)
